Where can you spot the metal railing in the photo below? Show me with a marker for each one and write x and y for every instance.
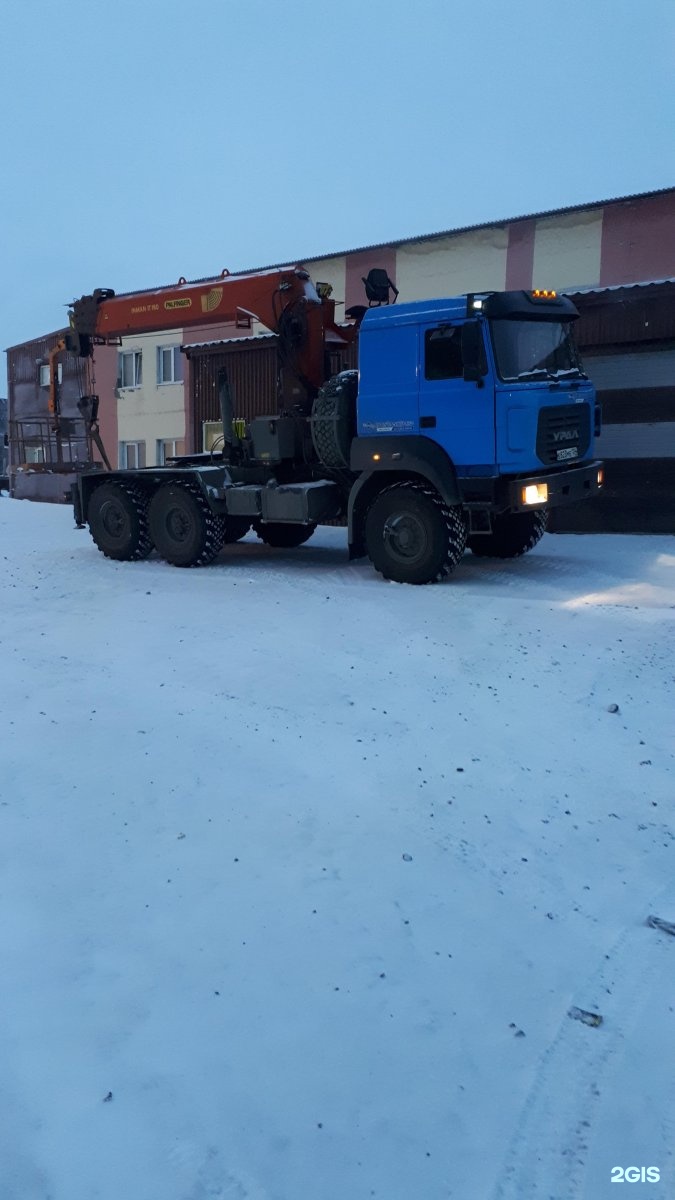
(42, 445)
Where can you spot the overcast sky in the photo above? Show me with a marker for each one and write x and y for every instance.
(148, 139)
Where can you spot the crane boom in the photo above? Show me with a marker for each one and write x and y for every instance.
(284, 300)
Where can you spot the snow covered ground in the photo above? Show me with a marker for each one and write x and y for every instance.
(301, 873)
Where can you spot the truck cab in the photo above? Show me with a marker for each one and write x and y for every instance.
(484, 398)
(495, 381)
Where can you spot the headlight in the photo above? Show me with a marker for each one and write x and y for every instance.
(535, 493)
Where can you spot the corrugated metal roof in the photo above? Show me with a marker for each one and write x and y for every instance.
(617, 287)
(46, 337)
(254, 337)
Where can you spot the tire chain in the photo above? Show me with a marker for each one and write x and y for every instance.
(327, 418)
(541, 523)
(214, 527)
(453, 518)
(540, 526)
(140, 501)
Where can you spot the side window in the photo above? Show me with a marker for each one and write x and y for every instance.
(443, 352)
(169, 364)
(131, 455)
(46, 375)
(130, 369)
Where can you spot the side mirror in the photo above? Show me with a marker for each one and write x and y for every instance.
(473, 353)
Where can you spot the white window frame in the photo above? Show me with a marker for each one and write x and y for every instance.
(124, 448)
(176, 364)
(161, 454)
(136, 372)
(46, 375)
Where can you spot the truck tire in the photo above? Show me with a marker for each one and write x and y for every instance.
(282, 535)
(512, 534)
(235, 529)
(334, 420)
(117, 516)
(412, 535)
(184, 529)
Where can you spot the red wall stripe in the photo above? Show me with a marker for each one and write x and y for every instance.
(638, 240)
(358, 265)
(520, 255)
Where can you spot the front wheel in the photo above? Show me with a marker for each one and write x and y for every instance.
(283, 536)
(412, 535)
(184, 529)
(512, 534)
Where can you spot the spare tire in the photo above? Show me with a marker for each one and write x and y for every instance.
(334, 420)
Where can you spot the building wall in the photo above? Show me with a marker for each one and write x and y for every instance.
(638, 239)
(470, 262)
(104, 381)
(41, 465)
(154, 411)
(623, 241)
(567, 250)
(4, 452)
(627, 339)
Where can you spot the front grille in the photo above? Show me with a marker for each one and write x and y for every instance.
(563, 433)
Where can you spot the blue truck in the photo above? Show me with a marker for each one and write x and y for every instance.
(466, 421)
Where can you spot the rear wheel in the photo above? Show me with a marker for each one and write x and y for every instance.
(412, 536)
(284, 536)
(118, 521)
(512, 534)
(184, 529)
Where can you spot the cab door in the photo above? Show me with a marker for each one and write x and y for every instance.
(454, 412)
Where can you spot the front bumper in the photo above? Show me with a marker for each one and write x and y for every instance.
(564, 487)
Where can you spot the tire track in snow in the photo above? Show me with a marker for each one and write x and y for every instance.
(213, 1180)
(547, 1156)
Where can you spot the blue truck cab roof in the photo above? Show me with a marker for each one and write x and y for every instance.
(537, 305)
(415, 312)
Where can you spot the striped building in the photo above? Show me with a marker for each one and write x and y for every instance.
(615, 257)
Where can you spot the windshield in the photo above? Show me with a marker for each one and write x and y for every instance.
(534, 349)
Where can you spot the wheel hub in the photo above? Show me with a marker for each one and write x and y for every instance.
(114, 519)
(405, 536)
(178, 525)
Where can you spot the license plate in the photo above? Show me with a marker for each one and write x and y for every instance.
(569, 452)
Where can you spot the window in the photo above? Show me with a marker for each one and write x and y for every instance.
(169, 448)
(212, 435)
(130, 369)
(131, 455)
(169, 364)
(443, 352)
(534, 349)
(34, 454)
(45, 374)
